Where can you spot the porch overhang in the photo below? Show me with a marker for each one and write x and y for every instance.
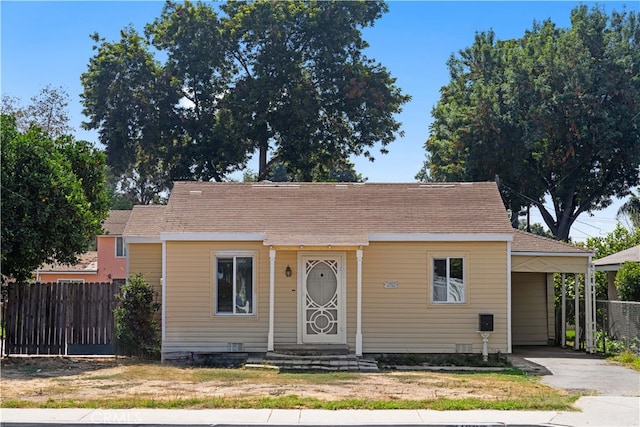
(315, 241)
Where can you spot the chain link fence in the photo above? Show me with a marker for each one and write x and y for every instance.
(619, 321)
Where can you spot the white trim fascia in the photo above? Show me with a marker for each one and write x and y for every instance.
(231, 237)
(142, 239)
(558, 254)
(608, 267)
(440, 237)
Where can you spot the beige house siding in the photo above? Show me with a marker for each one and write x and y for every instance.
(530, 309)
(147, 259)
(401, 319)
(549, 264)
(190, 320)
(404, 319)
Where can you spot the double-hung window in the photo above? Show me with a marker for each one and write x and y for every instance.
(234, 283)
(121, 249)
(448, 280)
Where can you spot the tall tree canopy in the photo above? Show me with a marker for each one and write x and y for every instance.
(47, 110)
(555, 114)
(54, 198)
(288, 80)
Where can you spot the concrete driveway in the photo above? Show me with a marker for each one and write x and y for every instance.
(577, 371)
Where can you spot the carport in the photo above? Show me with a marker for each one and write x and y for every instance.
(534, 261)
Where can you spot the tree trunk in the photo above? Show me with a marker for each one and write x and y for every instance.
(263, 144)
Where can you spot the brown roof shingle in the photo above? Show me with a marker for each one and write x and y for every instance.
(87, 263)
(116, 222)
(330, 213)
(145, 220)
(627, 255)
(528, 242)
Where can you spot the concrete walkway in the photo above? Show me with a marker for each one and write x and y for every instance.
(577, 371)
(596, 411)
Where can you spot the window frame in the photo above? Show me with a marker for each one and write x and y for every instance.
(234, 255)
(465, 283)
(123, 246)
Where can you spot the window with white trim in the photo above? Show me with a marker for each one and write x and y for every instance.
(448, 284)
(121, 249)
(234, 284)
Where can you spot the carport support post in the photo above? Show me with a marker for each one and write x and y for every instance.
(563, 339)
(576, 291)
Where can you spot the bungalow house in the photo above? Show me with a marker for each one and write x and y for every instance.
(376, 268)
(106, 264)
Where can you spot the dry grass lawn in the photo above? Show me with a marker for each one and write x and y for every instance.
(122, 382)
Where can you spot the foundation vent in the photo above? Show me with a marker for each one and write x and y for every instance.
(464, 348)
(235, 347)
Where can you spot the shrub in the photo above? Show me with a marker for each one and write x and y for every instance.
(628, 281)
(137, 331)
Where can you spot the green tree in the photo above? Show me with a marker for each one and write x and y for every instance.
(306, 92)
(631, 210)
(136, 328)
(618, 240)
(628, 281)
(288, 79)
(47, 110)
(53, 198)
(553, 113)
(130, 101)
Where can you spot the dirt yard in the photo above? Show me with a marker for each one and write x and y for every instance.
(45, 379)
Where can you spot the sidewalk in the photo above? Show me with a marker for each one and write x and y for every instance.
(596, 411)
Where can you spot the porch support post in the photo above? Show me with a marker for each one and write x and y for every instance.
(272, 295)
(563, 337)
(163, 284)
(576, 291)
(359, 304)
(590, 307)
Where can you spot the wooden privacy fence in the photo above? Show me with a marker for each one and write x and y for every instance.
(60, 318)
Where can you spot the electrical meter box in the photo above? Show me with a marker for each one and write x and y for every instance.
(486, 322)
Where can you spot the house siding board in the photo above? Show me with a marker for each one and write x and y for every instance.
(191, 323)
(529, 309)
(549, 264)
(403, 319)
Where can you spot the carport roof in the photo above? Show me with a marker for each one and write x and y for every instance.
(614, 261)
(528, 243)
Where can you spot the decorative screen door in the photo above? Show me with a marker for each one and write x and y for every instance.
(322, 299)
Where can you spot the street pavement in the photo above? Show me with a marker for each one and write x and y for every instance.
(616, 403)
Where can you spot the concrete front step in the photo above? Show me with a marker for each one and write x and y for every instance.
(313, 349)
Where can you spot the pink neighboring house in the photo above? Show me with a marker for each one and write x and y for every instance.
(107, 264)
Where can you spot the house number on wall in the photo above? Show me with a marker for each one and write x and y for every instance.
(391, 285)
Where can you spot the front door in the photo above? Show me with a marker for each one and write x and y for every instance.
(322, 311)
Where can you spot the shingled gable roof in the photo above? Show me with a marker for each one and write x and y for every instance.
(145, 221)
(615, 261)
(524, 242)
(116, 222)
(335, 214)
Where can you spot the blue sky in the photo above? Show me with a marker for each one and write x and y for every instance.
(48, 43)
